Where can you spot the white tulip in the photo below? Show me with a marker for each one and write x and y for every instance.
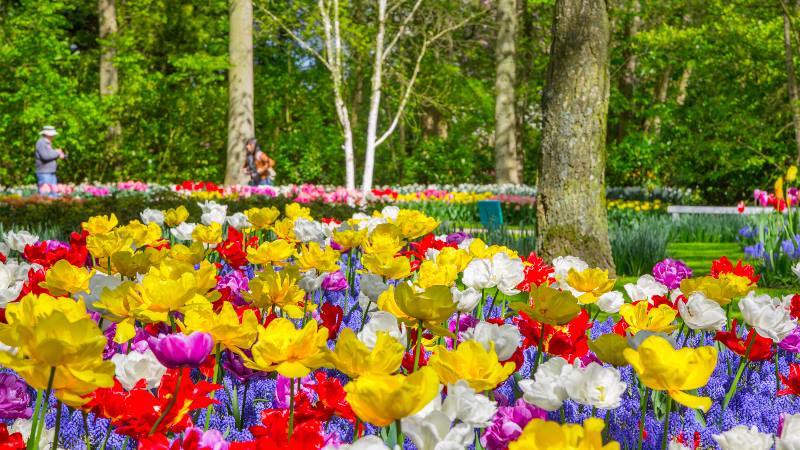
(506, 338)
(371, 442)
(501, 271)
(372, 286)
(18, 240)
(563, 264)
(546, 390)
(311, 281)
(239, 221)
(464, 404)
(645, 288)
(10, 287)
(790, 434)
(382, 321)
(596, 386)
(152, 216)
(23, 427)
(611, 302)
(211, 206)
(99, 283)
(213, 216)
(390, 212)
(183, 232)
(701, 313)
(434, 432)
(310, 231)
(743, 438)
(465, 300)
(134, 366)
(767, 315)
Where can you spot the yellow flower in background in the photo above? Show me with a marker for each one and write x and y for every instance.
(274, 252)
(262, 218)
(224, 327)
(274, 288)
(414, 224)
(382, 399)
(65, 279)
(291, 352)
(348, 239)
(130, 264)
(472, 363)
(106, 244)
(284, 229)
(455, 256)
(161, 295)
(56, 333)
(479, 249)
(141, 234)
(100, 224)
(192, 254)
(387, 265)
(540, 434)
(433, 274)
(779, 188)
(433, 305)
(641, 317)
(662, 368)
(722, 290)
(353, 358)
(176, 216)
(791, 174)
(118, 305)
(312, 256)
(591, 282)
(295, 210)
(386, 238)
(208, 234)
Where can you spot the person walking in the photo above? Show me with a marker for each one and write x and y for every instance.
(47, 158)
(258, 165)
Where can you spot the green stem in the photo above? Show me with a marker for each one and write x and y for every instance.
(777, 372)
(364, 316)
(244, 404)
(399, 435)
(419, 346)
(665, 438)
(643, 407)
(86, 439)
(355, 429)
(213, 380)
(170, 404)
(458, 326)
(291, 408)
(742, 364)
(38, 403)
(108, 434)
(59, 408)
(36, 432)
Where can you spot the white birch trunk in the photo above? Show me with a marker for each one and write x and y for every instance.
(241, 124)
(375, 101)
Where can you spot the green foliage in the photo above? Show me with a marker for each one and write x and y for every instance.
(637, 248)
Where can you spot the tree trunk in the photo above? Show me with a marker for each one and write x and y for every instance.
(507, 168)
(683, 84)
(240, 89)
(375, 101)
(109, 77)
(792, 82)
(571, 199)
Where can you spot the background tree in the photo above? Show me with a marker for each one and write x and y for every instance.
(241, 123)
(571, 206)
(109, 76)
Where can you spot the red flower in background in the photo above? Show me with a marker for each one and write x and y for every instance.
(792, 382)
(10, 441)
(536, 272)
(568, 341)
(761, 350)
(233, 248)
(723, 265)
(331, 318)
(32, 285)
(794, 306)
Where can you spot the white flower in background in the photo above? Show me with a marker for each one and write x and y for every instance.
(214, 216)
(645, 288)
(506, 338)
(464, 404)
(390, 212)
(371, 442)
(10, 287)
(23, 427)
(432, 253)
(310, 231)
(134, 366)
(4, 248)
(464, 245)
(369, 222)
(501, 271)
(239, 221)
(152, 216)
(546, 389)
(563, 264)
(311, 282)
(767, 315)
(610, 302)
(701, 313)
(595, 385)
(789, 438)
(211, 206)
(382, 321)
(743, 438)
(465, 300)
(97, 284)
(183, 232)
(17, 240)
(796, 269)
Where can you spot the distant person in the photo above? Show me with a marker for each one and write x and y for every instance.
(258, 165)
(47, 157)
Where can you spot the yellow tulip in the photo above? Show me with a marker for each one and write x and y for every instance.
(479, 249)
(544, 435)
(382, 399)
(100, 224)
(791, 174)
(639, 317)
(432, 305)
(274, 252)
(414, 224)
(284, 229)
(262, 218)
(291, 352)
(722, 290)
(470, 362)
(455, 256)
(208, 234)
(176, 216)
(312, 256)
(348, 239)
(64, 279)
(663, 368)
(274, 288)
(386, 238)
(141, 234)
(387, 265)
(295, 210)
(160, 296)
(192, 254)
(591, 282)
(355, 359)
(130, 264)
(386, 302)
(118, 305)
(106, 244)
(779, 188)
(224, 327)
(432, 274)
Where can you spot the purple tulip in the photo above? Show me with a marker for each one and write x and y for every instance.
(508, 423)
(670, 272)
(179, 350)
(791, 343)
(457, 237)
(15, 403)
(335, 281)
(234, 365)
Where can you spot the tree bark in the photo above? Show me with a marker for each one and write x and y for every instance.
(240, 88)
(683, 84)
(791, 82)
(109, 76)
(507, 168)
(571, 199)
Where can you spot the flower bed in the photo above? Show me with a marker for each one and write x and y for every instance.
(268, 329)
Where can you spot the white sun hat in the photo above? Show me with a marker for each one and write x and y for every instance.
(49, 130)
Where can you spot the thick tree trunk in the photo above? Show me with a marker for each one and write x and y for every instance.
(240, 89)
(109, 77)
(507, 168)
(792, 82)
(571, 199)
